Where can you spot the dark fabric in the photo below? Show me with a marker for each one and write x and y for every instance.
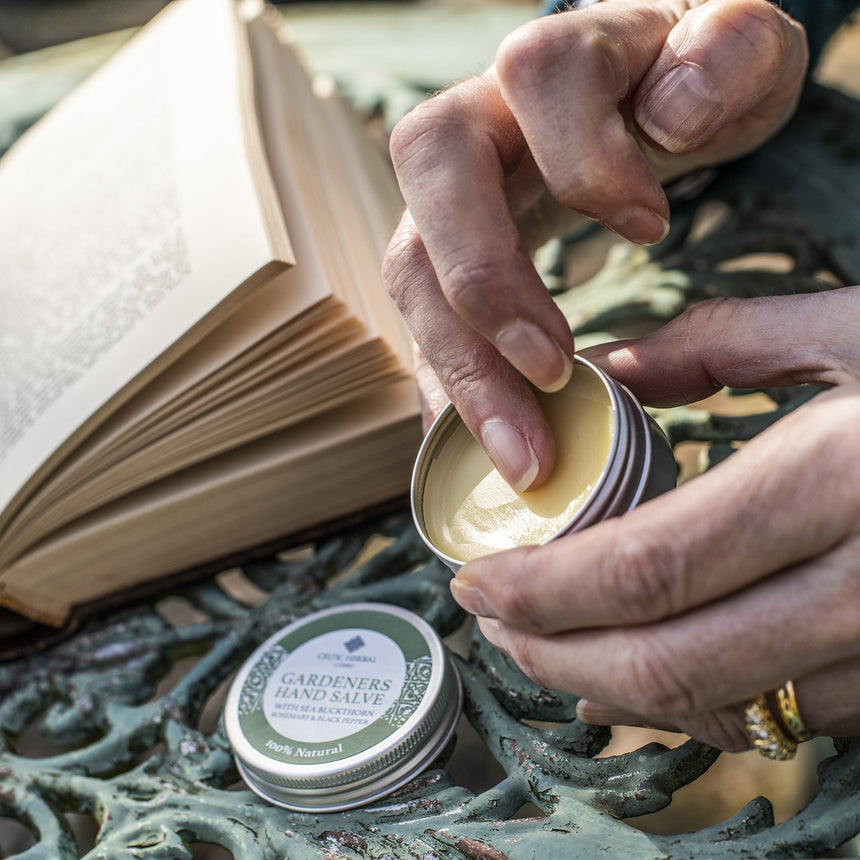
(820, 17)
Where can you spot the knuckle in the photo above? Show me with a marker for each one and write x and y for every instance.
(540, 51)
(704, 331)
(408, 133)
(715, 313)
(525, 55)
(465, 374)
(639, 579)
(404, 261)
(427, 129)
(767, 25)
(770, 32)
(658, 685)
(470, 281)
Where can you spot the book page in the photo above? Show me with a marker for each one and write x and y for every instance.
(131, 221)
(358, 191)
(324, 469)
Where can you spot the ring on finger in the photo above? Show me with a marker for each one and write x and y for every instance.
(789, 714)
(765, 732)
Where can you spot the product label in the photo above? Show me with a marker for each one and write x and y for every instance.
(326, 694)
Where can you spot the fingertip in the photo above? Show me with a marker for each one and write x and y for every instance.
(470, 597)
(535, 353)
(642, 225)
(590, 713)
(524, 459)
(597, 714)
(720, 61)
(511, 453)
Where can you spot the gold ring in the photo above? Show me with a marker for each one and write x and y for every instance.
(765, 733)
(789, 713)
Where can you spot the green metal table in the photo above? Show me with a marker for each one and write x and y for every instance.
(111, 743)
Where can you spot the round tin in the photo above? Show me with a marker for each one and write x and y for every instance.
(342, 707)
(639, 466)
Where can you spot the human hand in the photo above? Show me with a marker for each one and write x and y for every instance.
(677, 613)
(583, 114)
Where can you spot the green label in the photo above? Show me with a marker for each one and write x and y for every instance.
(335, 687)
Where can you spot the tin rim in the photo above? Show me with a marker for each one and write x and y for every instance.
(616, 461)
(371, 772)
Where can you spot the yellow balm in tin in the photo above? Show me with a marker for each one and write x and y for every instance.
(469, 509)
(610, 457)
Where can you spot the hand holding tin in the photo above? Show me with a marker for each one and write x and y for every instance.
(584, 114)
(680, 612)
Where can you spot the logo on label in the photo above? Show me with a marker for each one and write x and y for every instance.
(352, 645)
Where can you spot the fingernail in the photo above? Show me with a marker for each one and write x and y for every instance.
(493, 633)
(535, 354)
(595, 714)
(470, 598)
(641, 225)
(511, 453)
(680, 107)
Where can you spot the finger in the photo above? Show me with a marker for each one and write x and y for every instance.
(494, 401)
(563, 77)
(600, 714)
(746, 343)
(740, 522)
(452, 154)
(828, 702)
(793, 625)
(723, 728)
(695, 90)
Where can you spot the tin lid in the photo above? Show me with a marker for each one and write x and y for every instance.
(342, 707)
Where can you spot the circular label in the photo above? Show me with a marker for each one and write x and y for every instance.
(333, 686)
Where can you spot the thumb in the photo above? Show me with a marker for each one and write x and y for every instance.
(745, 343)
(724, 62)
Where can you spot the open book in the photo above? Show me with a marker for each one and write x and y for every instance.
(198, 357)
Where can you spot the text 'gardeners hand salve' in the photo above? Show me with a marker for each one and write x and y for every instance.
(610, 457)
(342, 707)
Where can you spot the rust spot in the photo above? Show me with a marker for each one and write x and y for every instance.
(7, 795)
(480, 850)
(515, 748)
(423, 781)
(345, 837)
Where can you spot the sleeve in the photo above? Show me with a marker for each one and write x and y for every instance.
(821, 18)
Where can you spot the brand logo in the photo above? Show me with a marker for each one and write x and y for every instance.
(353, 645)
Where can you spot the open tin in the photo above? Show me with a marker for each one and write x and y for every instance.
(611, 457)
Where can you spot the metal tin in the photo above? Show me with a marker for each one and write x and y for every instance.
(640, 464)
(342, 707)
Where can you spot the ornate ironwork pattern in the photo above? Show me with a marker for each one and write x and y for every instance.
(134, 759)
(119, 709)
